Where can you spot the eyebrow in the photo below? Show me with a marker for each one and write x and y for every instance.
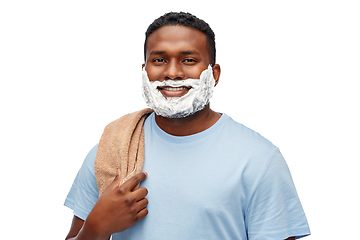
(182, 52)
(190, 52)
(157, 52)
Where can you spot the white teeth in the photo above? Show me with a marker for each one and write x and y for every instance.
(175, 88)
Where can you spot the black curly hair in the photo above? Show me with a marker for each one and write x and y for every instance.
(188, 20)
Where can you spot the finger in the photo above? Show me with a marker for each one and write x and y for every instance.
(140, 193)
(140, 205)
(134, 181)
(142, 214)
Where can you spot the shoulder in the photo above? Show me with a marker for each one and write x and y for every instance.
(248, 148)
(246, 137)
(90, 158)
(87, 170)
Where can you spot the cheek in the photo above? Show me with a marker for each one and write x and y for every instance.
(194, 72)
(153, 74)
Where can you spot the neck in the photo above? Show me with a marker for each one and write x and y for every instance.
(192, 124)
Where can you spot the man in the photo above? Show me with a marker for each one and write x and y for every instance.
(207, 177)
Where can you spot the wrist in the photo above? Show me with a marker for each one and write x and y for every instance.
(90, 231)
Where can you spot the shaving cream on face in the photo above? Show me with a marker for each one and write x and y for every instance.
(194, 100)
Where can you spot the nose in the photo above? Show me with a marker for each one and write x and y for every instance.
(173, 71)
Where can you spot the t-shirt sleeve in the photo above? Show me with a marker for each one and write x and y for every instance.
(275, 211)
(84, 193)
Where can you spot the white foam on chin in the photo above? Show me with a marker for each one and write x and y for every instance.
(194, 100)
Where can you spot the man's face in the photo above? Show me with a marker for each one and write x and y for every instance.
(177, 53)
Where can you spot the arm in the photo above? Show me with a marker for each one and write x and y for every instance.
(291, 238)
(117, 209)
(76, 225)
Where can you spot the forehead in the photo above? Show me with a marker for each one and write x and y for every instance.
(177, 39)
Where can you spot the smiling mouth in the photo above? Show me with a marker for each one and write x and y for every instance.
(174, 88)
(167, 91)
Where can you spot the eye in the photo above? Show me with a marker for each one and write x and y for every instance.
(159, 60)
(189, 61)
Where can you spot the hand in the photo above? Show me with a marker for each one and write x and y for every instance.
(118, 208)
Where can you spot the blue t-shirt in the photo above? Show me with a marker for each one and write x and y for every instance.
(227, 182)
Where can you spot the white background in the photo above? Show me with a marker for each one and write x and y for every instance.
(290, 71)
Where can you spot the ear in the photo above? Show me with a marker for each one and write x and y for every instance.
(143, 65)
(216, 72)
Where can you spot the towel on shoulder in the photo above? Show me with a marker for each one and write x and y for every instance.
(121, 147)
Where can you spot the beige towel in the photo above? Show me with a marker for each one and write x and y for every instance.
(121, 147)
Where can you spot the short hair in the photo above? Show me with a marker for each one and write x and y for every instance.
(188, 20)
